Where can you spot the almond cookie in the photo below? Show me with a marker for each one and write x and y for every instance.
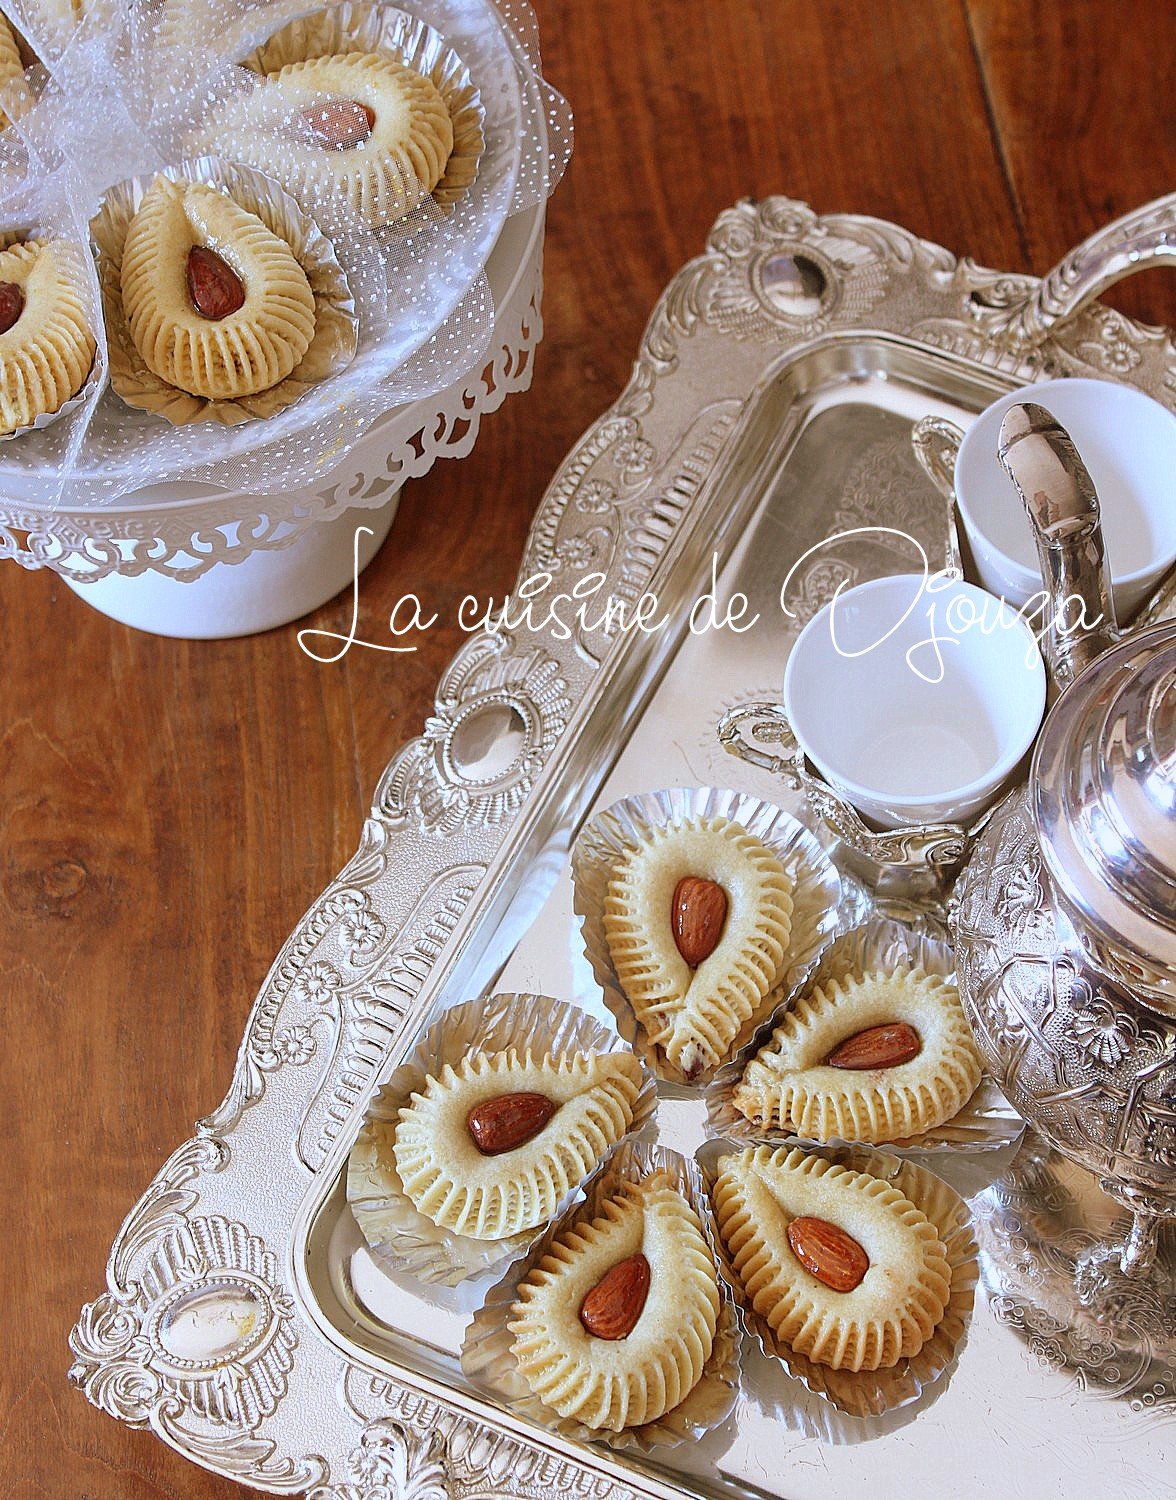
(877, 1058)
(697, 921)
(616, 1323)
(840, 1265)
(360, 129)
(491, 1147)
(46, 343)
(216, 303)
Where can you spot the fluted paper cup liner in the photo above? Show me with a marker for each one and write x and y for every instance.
(816, 897)
(870, 1393)
(986, 1122)
(336, 323)
(402, 1239)
(487, 1355)
(382, 28)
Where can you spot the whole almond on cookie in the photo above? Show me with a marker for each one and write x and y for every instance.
(884, 1046)
(12, 301)
(828, 1253)
(697, 914)
(338, 124)
(612, 1307)
(214, 287)
(508, 1121)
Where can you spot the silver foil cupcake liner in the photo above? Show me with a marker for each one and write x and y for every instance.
(487, 1356)
(986, 1122)
(381, 28)
(871, 1393)
(817, 896)
(402, 1240)
(95, 380)
(336, 327)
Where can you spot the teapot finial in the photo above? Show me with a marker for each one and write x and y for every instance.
(1059, 495)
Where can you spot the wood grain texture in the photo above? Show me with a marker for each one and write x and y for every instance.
(170, 809)
(1083, 142)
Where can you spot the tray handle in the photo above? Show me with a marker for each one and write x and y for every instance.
(1142, 238)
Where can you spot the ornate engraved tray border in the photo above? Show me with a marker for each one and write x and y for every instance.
(268, 1399)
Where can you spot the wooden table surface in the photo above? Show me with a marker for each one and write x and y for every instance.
(169, 808)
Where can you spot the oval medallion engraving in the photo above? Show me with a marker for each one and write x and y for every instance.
(488, 742)
(793, 284)
(213, 1324)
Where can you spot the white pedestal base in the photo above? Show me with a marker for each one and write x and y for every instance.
(244, 590)
(263, 590)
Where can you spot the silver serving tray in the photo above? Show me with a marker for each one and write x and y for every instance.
(770, 406)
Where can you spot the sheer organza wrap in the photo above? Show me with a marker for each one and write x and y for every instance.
(128, 90)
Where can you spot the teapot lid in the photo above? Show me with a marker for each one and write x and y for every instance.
(1104, 800)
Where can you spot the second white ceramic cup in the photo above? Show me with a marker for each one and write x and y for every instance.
(1128, 443)
(915, 699)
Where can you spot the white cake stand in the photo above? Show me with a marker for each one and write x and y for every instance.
(201, 563)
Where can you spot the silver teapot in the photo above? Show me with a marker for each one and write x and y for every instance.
(1064, 918)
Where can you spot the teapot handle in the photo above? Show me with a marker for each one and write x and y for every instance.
(1144, 237)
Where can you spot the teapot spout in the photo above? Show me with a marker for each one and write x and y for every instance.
(1059, 496)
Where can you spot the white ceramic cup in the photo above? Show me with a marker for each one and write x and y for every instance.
(915, 698)
(1128, 443)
